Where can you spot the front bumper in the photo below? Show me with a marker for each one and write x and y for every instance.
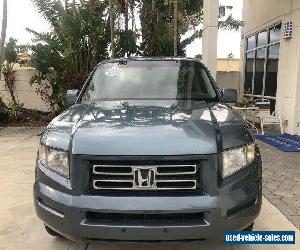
(234, 208)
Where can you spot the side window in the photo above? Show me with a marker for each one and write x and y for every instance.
(202, 83)
(92, 88)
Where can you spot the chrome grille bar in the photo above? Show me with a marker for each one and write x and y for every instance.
(175, 169)
(100, 169)
(167, 177)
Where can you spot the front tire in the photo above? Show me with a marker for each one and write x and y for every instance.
(249, 228)
(52, 232)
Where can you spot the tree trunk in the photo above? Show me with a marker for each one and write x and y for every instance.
(74, 7)
(66, 4)
(175, 27)
(9, 78)
(132, 16)
(126, 17)
(153, 5)
(112, 29)
(3, 33)
(93, 5)
(12, 94)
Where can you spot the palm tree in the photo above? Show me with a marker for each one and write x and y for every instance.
(175, 27)
(132, 15)
(112, 29)
(3, 32)
(74, 7)
(153, 4)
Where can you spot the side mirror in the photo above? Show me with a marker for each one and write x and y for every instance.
(71, 96)
(230, 95)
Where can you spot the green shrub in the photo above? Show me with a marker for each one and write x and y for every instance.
(245, 101)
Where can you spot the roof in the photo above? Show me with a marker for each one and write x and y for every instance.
(138, 58)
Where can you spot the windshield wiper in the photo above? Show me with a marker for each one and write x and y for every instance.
(211, 99)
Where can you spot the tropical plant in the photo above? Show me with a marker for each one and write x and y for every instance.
(198, 56)
(10, 51)
(112, 28)
(175, 27)
(87, 31)
(15, 109)
(173, 19)
(11, 56)
(79, 40)
(126, 38)
(3, 112)
(245, 101)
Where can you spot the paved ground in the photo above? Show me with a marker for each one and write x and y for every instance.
(281, 181)
(21, 229)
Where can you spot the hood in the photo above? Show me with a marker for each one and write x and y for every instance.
(124, 129)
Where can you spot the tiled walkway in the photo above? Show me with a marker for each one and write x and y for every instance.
(281, 180)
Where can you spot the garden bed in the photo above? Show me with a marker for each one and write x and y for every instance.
(25, 118)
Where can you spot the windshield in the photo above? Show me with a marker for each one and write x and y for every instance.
(149, 80)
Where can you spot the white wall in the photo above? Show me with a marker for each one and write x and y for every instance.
(24, 92)
(288, 75)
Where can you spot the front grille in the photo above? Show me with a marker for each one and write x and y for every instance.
(146, 177)
(97, 217)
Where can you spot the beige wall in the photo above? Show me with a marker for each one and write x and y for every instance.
(228, 73)
(24, 92)
(262, 13)
(259, 14)
(228, 65)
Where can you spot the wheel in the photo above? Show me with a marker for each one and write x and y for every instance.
(52, 232)
(249, 228)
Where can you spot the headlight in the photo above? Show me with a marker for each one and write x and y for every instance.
(54, 159)
(236, 159)
(42, 153)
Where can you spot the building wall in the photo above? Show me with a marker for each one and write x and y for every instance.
(259, 14)
(25, 93)
(228, 80)
(228, 65)
(228, 73)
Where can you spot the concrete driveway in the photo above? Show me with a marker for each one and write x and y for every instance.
(21, 229)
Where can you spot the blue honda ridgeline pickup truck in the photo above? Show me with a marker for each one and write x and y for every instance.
(148, 151)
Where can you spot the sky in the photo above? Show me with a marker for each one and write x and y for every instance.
(22, 14)
(228, 41)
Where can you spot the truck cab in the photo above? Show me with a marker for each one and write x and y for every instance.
(149, 150)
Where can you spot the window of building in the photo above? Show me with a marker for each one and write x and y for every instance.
(249, 72)
(262, 38)
(259, 71)
(261, 65)
(251, 42)
(275, 33)
(271, 73)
